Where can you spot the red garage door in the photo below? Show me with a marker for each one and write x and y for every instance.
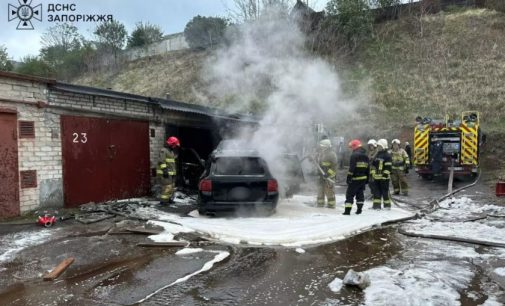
(9, 182)
(104, 159)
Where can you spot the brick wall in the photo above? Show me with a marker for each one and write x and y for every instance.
(44, 153)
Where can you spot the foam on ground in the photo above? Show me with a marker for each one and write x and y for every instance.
(296, 223)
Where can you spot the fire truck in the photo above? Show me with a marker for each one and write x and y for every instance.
(444, 145)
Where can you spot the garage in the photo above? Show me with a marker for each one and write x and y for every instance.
(9, 184)
(104, 159)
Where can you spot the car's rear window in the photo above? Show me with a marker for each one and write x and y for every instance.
(238, 166)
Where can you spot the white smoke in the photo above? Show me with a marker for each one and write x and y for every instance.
(267, 64)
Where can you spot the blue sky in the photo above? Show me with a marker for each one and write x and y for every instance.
(170, 15)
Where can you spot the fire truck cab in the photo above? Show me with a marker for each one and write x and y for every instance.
(440, 145)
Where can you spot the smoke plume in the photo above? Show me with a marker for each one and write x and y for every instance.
(267, 67)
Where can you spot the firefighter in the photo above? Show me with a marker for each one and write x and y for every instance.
(380, 171)
(175, 146)
(357, 177)
(327, 163)
(408, 149)
(166, 172)
(400, 167)
(372, 151)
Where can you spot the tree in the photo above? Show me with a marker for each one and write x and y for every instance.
(111, 35)
(352, 17)
(33, 65)
(201, 32)
(5, 63)
(144, 34)
(247, 10)
(63, 36)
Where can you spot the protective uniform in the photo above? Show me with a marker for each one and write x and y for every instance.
(327, 161)
(357, 177)
(401, 164)
(380, 172)
(408, 149)
(165, 175)
(372, 151)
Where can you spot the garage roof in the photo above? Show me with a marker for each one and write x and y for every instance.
(163, 103)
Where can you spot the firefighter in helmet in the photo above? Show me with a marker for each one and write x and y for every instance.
(401, 164)
(167, 172)
(372, 151)
(327, 163)
(357, 177)
(380, 171)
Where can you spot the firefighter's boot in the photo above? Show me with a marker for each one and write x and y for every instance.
(347, 211)
(360, 207)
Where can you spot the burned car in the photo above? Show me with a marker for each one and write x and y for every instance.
(237, 179)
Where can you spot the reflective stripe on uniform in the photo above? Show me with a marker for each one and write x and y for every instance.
(326, 164)
(171, 173)
(160, 172)
(169, 160)
(347, 205)
(331, 172)
(332, 202)
(359, 178)
(388, 163)
(361, 165)
(376, 201)
(163, 166)
(165, 197)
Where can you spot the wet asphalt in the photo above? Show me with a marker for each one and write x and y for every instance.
(113, 270)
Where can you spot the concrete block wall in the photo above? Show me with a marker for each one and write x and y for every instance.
(172, 43)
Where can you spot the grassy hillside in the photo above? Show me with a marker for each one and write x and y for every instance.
(175, 73)
(438, 64)
(429, 66)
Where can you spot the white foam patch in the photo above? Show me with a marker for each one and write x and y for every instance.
(220, 256)
(492, 301)
(421, 283)
(11, 244)
(187, 251)
(457, 209)
(468, 230)
(300, 250)
(170, 229)
(295, 224)
(335, 285)
(500, 271)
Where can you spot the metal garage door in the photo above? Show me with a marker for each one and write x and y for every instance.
(9, 182)
(104, 159)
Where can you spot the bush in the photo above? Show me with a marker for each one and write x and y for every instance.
(144, 34)
(5, 63)
(202, 32)
(352, 18)
(33, 65)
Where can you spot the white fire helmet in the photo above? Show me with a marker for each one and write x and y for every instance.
(397, 141)
(372, 142)
(325, 143)
(383, 143)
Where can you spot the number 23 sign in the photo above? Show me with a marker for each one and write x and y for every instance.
(80, 137)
